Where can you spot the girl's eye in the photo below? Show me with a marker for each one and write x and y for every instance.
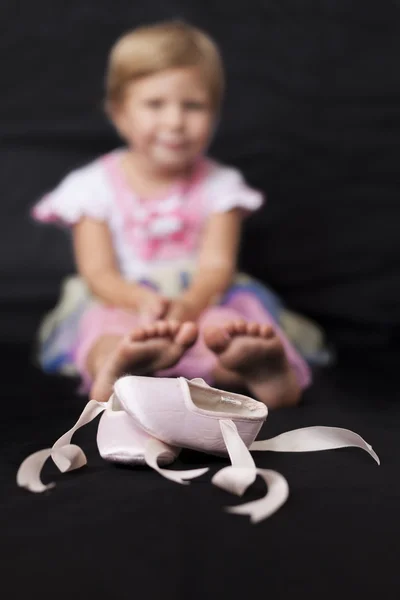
(154, 103)
(193, 105)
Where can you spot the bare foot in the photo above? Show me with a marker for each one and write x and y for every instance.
(142, 352)
(255, 353)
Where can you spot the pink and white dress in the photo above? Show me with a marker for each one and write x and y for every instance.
(156, 243)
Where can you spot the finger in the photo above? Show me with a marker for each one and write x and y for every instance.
(161, 307)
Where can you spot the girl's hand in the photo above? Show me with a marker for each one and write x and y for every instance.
(183, 309)
(149, 303)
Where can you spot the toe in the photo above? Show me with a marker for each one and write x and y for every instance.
(172, 327)
(137, 335)
(217, 338)
(187, 334)
(229, 327)
(266, 331)
(150, 331)
(253, 329)
(162, 328)
(240, 327)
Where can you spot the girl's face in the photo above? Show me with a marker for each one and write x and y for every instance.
(167, 117)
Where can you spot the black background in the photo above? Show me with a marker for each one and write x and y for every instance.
(312, 117)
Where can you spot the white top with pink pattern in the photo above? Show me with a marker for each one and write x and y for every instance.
(150, 234)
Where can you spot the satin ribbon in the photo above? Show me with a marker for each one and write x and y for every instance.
(68, 456)
(235, 479)
(243, 472)
(65, 455)
(312, 439)
(154, 448)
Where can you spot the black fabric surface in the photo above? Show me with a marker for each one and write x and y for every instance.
(108, 531)
(312, 117)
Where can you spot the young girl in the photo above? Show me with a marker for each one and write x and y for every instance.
(156, 228)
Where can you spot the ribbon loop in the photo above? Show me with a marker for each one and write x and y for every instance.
(65, 455)
(154, 449)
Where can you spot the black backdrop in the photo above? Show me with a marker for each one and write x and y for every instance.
(312, 117)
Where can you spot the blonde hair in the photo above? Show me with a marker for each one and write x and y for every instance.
(148, 50)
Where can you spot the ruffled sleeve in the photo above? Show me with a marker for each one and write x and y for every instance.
(226, 189)
(83, 193)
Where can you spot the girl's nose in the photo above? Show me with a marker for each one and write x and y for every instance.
(174, 116)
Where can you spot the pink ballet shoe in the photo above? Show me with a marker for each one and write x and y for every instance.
(186, 413)
(148, 420)
(121, 440)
